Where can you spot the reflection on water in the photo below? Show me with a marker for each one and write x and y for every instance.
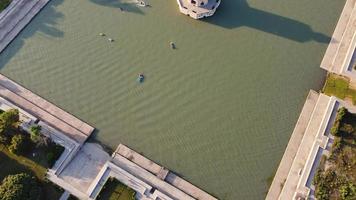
(218, 110)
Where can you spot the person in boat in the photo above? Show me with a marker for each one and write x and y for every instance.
(141, 78)
(173, 46)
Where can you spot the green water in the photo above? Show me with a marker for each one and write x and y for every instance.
(219, 110)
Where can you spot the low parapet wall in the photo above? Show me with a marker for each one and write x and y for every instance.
(163, 173)
(44, 110)
(15, 17)
(341, 47)
(46, 105)
(302, 155)
(292, 147)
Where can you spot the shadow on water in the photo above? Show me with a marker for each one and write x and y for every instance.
(94, 139)
(44, 25)
(236, 13)
(123, 6)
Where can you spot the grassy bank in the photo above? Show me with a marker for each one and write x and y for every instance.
(336, 176)
(4, 4)
(339, 86)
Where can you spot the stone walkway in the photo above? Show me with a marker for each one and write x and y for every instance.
(341, 47)
(15, 17)
(294, 175)
(292, 148)
(44, 110)
(163, 174)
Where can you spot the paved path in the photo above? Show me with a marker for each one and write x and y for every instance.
(292, 148)
(15, 17)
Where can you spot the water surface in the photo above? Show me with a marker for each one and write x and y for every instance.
(219, 110)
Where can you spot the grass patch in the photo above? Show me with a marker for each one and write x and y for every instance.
(4, 4)
(114, 190)
(339, 86)
(336, 86)
(336, 176)
(14, 164)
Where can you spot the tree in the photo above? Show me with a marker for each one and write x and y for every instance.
(20, 187)
(17, 145)
(8, 120)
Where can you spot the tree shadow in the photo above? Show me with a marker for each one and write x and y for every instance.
(236, 13)
(45, 23)
(123, 6)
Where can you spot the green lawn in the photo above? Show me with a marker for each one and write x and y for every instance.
(4, 4)
(13, 164)
(339, 86)
(114, 190)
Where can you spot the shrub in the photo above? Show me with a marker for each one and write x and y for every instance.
(347, 191)
(35, 134)
(336, 147)
(17, 145)
(335, 128)
(341, 113)
(20, 187)
(347, 128)
(338, 121)
(322, 192)
(4, 139)
(318, 176)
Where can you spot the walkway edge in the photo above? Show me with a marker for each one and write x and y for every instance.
(292, 147)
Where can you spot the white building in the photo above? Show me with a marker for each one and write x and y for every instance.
(198, 9)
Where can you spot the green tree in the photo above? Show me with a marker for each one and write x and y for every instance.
(17, 145)
(9, 119)
(20, 187)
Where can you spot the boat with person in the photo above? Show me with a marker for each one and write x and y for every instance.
(141, 78)
(142, 3)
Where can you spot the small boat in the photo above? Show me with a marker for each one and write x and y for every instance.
(141, 78)
(141, 3)
(173, 46)
(111, 40)
(102, 34)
